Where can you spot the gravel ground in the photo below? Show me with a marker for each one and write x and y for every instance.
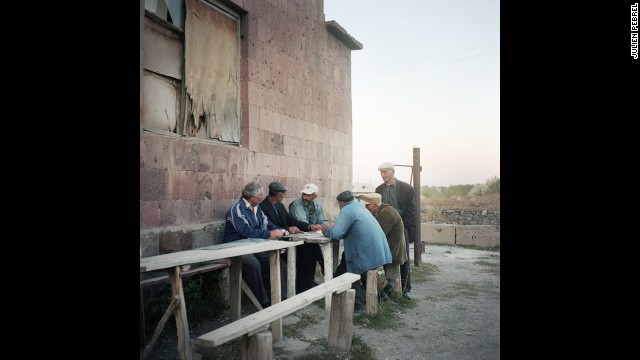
(454, 314)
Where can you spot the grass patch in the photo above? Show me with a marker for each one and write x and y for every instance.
(227, 351)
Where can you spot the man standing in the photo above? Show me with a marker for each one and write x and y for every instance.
(399, 194)
(365, 245)
(307, 208)
(246, 220)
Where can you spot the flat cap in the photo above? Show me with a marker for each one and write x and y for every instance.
(372, 198)
(277, 187)
(346, 196)
(386, 166)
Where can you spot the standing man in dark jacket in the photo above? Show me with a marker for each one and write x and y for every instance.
(399, 194)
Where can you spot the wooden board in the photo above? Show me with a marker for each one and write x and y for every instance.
(276, 311)
(216, 252)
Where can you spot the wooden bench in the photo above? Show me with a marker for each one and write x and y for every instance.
(254, 329)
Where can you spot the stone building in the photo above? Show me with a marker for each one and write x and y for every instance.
(234, 91)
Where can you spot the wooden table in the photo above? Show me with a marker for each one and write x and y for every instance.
(330, 253)
(173, 262)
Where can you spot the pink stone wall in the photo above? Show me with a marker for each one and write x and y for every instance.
(296, 129)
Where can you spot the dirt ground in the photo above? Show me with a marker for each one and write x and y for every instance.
(454, 314)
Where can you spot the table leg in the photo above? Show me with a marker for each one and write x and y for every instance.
(274, 269)
(182, 324)
(327, 254)
(291, 272)
(235, 287)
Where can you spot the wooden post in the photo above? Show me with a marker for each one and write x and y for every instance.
(417, 237)
(372, 292)
(341, 321)
(291, 272)
(274, 268)
(235, 287)
(182, 325)
(258, 346)
(327, 254)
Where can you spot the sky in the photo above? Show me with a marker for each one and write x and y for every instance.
(427, 77)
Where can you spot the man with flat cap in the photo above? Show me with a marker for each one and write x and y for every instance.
(365, 244)
(399, 194)
(275, 210)
(393, 227)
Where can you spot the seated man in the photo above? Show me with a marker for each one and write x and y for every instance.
(246, 220)
(275, 210)
(365, 245)
(308, 209)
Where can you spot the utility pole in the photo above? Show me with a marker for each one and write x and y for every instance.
(417, 240)
(415, 177)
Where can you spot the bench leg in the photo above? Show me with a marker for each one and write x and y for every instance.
(372, 292)
(341, 321)
(258, 346)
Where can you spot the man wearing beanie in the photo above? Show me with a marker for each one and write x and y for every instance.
(399, 194)
(365, 244)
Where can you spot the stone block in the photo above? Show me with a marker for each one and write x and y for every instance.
(438, 233)
(478, 235)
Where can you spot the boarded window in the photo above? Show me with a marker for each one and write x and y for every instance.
(191, 78)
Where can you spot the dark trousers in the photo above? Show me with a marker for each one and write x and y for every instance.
(358, 286)
(306, 258)
(254, 268)
(405, 269)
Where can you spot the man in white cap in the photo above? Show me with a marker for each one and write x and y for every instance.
(399, 194)
(308, 209)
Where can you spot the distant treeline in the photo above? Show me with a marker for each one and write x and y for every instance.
(491, 186)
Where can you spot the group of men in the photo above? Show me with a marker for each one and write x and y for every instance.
(376, 233)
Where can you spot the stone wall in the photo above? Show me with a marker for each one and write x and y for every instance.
(463, 227)
(296, 128)
(467, 217)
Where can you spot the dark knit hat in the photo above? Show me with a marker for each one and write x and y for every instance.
(346, 196)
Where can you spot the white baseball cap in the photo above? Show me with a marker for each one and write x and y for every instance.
(309, 189)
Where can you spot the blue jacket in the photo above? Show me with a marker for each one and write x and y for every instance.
(365, 244)
(241, 224)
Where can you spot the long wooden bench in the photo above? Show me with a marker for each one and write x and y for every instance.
(254, 329)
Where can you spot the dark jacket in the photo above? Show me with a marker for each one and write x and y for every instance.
(407, 204)
(283, 219)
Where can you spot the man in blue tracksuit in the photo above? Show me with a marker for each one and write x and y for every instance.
(245, 220)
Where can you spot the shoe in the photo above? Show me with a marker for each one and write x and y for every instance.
(388, 289)
(382, 296)
(406, 295)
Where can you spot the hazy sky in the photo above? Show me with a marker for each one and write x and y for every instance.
(428, 76)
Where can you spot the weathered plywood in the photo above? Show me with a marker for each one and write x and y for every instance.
(162, 49)
(159, 102)
(212, 71)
